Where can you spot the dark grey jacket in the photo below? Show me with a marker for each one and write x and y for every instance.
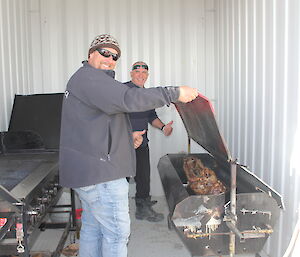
(96, 137)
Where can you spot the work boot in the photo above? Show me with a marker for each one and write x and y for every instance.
(144, 211)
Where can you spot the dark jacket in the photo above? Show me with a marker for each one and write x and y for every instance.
(96, 136)
(139, 120)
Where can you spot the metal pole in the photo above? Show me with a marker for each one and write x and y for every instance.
(232, 206)
(73, 208)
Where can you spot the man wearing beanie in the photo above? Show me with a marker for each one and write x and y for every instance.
(139, 121)
(97, 145)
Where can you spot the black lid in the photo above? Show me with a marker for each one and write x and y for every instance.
(200, 123)
(40, 114)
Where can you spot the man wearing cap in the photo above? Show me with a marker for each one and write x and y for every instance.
(139, 121)
(97, 145)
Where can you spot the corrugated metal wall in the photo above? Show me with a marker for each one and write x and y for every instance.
(15, 61)
(173, 36)
(257, 95)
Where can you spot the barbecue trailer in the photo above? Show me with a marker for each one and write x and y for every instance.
(236, 221)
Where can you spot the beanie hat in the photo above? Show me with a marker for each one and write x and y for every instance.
(104, 40)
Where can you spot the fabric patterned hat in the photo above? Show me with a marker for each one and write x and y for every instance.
(104, 40)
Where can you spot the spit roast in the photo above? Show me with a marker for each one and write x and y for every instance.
(235, 218)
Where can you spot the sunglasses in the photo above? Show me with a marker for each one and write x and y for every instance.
(106, 53)
(140, 66)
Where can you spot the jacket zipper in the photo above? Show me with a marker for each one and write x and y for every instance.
(109, 142)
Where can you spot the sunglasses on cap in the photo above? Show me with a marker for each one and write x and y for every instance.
(106, 53)
(140, 66)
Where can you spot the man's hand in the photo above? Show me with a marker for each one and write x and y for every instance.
(168, 128)
(187, 94)
(138, 138)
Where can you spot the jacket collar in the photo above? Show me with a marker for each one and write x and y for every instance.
(131, 84)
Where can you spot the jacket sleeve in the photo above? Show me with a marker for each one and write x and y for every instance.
(152, 116)
(101, 91)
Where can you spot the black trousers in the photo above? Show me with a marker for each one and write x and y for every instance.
(142, 178)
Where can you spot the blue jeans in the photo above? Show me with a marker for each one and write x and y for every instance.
(105, 219)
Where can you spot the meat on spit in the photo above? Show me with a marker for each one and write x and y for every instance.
(202, 180)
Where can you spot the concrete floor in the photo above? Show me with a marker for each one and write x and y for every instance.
(147, 239)
(154, 239)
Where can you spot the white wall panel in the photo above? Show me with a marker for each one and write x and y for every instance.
(15, 74)
(175, 37)
(257, 95)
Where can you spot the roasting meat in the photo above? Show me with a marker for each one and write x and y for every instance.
(202, 180)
